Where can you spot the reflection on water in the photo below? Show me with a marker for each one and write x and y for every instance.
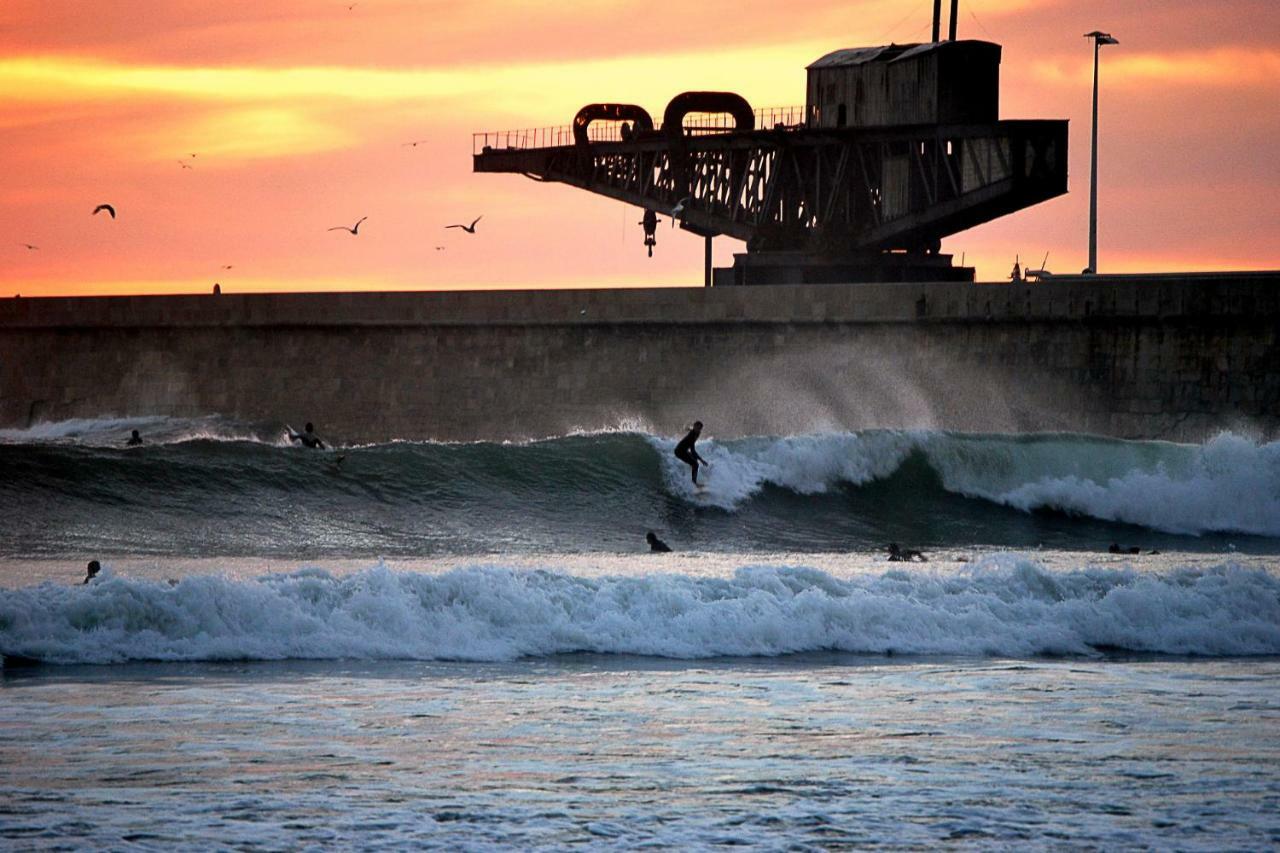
(818, 749)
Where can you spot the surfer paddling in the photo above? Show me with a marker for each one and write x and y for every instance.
(656, 544)
(905, 555)
(688, 454)
(308, 437)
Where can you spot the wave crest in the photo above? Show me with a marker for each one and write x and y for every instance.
(1002, 606)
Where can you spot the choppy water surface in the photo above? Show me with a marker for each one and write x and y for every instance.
(816, 750)
(420, 644)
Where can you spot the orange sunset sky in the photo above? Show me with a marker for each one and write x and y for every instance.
(298, 111)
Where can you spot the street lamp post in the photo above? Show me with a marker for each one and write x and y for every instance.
(1099, 39)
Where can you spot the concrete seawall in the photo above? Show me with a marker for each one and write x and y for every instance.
(1168, 356)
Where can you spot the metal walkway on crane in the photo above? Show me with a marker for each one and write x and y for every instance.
(842, 187)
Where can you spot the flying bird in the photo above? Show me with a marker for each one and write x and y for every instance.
(413, 144)
(29, 246)
(439, 248)
(677, 212)
(354, 229)
(470, 229)
(108, 208)
(184, 164)
(227, 266)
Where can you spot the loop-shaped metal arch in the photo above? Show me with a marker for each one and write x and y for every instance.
(706, 102)
(638, 116)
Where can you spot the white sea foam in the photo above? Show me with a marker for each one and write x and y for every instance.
(1003, 605)
(1229, 484)
(78, 429)
(113, 431)
(807, 465)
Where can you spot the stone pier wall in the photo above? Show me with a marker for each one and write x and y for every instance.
(1161, 356)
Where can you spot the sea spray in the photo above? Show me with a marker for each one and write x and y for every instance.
(1003, 605)
(210, 487)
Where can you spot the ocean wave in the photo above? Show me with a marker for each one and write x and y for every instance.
(1228, 485)
(113, 432)
(1003, 605)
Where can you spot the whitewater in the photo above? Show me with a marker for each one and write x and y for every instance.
(468, 644)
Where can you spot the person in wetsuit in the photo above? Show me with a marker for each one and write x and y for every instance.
(308, 437)
(905, 555)
(134, 440)
(92, 571)
(688, 454)
(656, 544)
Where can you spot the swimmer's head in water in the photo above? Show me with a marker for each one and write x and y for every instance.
(94, 567)
(309, 427)
(135, 434)
(697, 425)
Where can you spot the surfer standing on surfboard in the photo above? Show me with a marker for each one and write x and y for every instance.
(686, 453)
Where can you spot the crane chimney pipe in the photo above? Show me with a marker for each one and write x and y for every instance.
(955, 10)
(937, 19)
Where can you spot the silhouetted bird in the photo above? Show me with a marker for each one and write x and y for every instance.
(227, 266)
(354, 229)
(439, 248)
(29, 246)
(413, 144)
(677, 212)
(108, 208)
(184, 164)
(470, 229)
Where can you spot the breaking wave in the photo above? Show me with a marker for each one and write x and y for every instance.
(210, 487)
(1004, 605)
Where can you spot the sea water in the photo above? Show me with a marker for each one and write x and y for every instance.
(468, 645)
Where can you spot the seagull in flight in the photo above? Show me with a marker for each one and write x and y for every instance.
(413, 144)
(354, 229)
(227, 266)
(29, 246)
(470, 229)
(439, 248)
(677, 212)
(184, 164)
(108, 208)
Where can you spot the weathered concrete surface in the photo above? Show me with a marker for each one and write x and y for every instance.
(1174, 356)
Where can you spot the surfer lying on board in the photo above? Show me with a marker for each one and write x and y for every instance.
(905, 555)
(686, 452)
(308, 437)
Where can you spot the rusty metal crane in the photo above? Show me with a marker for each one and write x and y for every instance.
(897, 147)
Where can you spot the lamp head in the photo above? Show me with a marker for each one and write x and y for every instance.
(1101, 37)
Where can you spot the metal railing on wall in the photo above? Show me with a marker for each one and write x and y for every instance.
(611, 131)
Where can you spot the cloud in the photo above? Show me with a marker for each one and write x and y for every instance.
(1225, 67)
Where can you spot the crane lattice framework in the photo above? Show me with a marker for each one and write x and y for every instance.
(808, 191)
